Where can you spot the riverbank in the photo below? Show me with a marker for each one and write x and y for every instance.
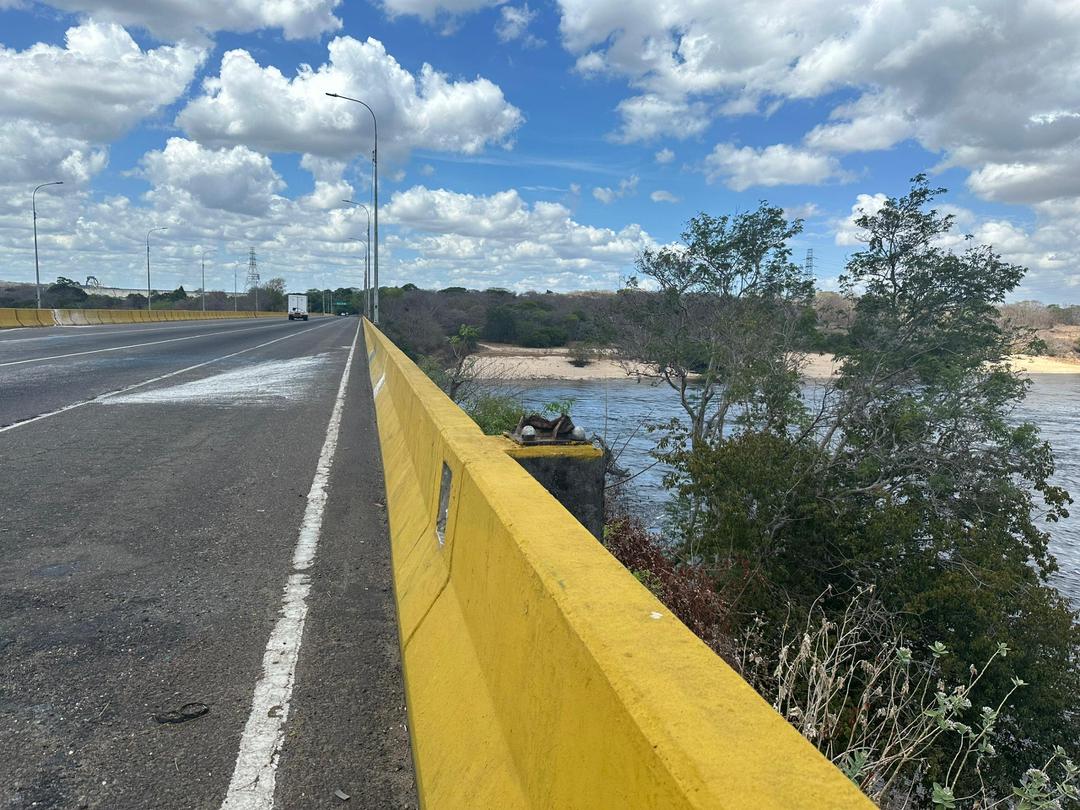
(497, 361)
(502, 362)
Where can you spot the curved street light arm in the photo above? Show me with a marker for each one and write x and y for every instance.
(375, 202)
(37, 266)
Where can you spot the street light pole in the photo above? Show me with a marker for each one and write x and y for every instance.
(235, 289)
(375, 177)
(367, 260)
(33, 205)
(149, 293)
(354, 239)
(202, 298)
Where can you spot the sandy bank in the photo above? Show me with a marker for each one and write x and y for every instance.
(497, 361)
(1046, 365)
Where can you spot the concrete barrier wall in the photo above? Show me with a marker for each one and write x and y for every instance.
(538, 671)
(15, 317)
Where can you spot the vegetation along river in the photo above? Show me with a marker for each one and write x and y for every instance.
(618, 410)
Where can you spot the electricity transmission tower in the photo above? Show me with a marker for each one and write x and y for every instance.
(808, 265)
(253, 277)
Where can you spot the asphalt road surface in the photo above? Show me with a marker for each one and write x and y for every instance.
(192, 513)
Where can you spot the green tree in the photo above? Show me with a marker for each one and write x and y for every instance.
(272, 296)
(65, 293)
(910, 475)
(723, 327)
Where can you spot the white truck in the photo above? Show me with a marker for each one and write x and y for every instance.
(297, 307)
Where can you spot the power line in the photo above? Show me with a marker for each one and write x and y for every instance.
(253, 277)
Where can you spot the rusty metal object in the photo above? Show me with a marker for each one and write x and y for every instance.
(545, 431)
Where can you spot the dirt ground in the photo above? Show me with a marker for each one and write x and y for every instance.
(503, 362)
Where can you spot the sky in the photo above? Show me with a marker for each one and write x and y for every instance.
(538, 145)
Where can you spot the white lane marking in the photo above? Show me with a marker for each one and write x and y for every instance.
(160, 377)
(268, 383)
(255, 772)
(120, 348)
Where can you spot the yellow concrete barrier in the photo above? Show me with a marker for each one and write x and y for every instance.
(538, 671)
(27, 317)
(11, 317)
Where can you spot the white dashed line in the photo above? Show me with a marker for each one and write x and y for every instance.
(255, 772)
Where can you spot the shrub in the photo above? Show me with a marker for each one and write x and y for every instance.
(581, 354)
(687, 590)
(494, 413)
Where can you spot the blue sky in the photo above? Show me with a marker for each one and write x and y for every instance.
(529, 146)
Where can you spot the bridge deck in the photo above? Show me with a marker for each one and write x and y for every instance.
(146, 541)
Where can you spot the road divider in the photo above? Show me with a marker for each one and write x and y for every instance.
(21, 316)
(538, 671)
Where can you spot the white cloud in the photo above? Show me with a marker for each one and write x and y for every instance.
(664, 156)
(776, 165)
(1049, 176)
(847, 232)
(501, 240)
(261, 108)
(98, 85)
(432, 237)
(233, 179)
(297, 19)
(648, 117)
(875, 121)
(1049, 247)
(323, 169)
(994, 87)
(804, 211)
(590, 63)
(627, 187)
(429, 10)
(514, 24)
(30, 152)
(663, 196)
(61, 105)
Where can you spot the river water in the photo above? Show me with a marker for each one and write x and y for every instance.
(619, 410)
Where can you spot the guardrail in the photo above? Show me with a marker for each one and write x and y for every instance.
(11, 317)
(538, 671)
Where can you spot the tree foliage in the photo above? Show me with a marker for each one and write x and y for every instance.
(908, 473)
(724, 324)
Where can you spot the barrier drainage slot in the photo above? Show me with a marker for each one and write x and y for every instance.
(444, 503)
